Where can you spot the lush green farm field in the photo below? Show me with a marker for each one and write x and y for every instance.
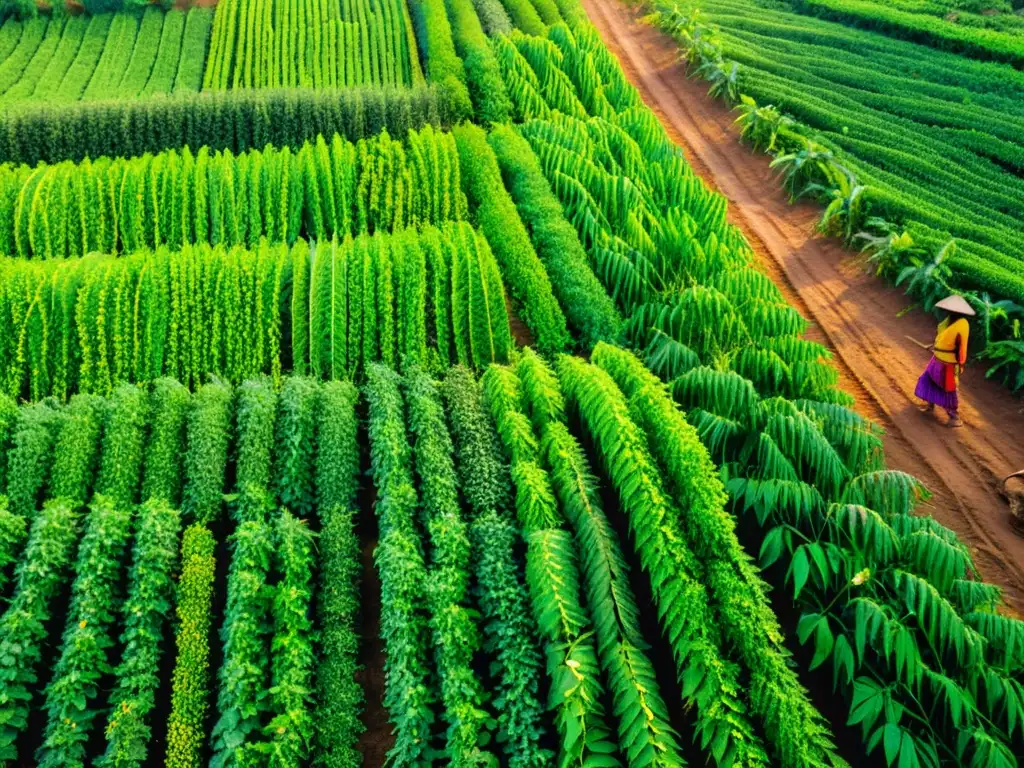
(107, 56)
(898, 137)
(620, 513)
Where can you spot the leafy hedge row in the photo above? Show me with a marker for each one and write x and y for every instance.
(444, 67)
(234, 121)
(483, 76)
(643, 718)
(163, 467)
(553, 579)
(73, 693)
(40, 576)
(146, 612)
(324, 189)
(186, 726)
(500, 223)
(503, 599)
(409, 694)
(432, 297)
(588, 307)
(339, 695)
(452, 620)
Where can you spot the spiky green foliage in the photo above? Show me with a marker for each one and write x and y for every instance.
(399, 557)
(444, 66)
(483, 76)
(552, 575)
(645, 735)
(209, 426)
(456, 637)
(39, 578)
(326, 188)
(795, 729)
(510, 633)
(124, 435)
(500, 223)
(242, 699)
(186, 726)
(707, 678)
(72, 694)
(339, 696)
(146, 611)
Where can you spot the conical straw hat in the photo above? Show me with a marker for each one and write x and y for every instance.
(956, 304)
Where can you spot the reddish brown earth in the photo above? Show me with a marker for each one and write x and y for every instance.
(854, 313)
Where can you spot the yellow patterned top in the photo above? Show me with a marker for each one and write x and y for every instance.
(946, 348)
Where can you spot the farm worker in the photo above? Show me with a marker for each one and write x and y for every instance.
(938, 384)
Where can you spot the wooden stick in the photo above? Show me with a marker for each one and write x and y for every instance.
(920, 344)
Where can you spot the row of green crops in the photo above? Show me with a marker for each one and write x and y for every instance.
(112, 483)
(237, 121)
(432, 297)
(110, 55)
(330, 188)
(301, 43)
(888, 603)
(913, 153)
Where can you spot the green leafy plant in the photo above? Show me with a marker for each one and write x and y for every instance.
(39, 577)
(186, 730)
(96, 596)
(146, 611)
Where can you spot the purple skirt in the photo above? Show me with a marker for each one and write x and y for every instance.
(930, 387)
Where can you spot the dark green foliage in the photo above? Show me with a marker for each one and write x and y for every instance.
(30, 456)
(510, 632)
(444, 67)
(76, 452)
(584, 300)
(708, 680)
(209, 426)
(294, 469)
(165, 450)
(256, 415)
(186, 727)
(124, 435)
(13, 532)
(232, 120)
(409, 696)
(497, 218)
(340, 698)
(337, 462)
(484, 477)
(72, 693)
(242, 699)
(794, 727)
(456, 637)
(39, 577)
(146, 612)
(290, 730)
(483, 76)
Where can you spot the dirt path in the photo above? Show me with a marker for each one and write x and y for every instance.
(855, 313)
